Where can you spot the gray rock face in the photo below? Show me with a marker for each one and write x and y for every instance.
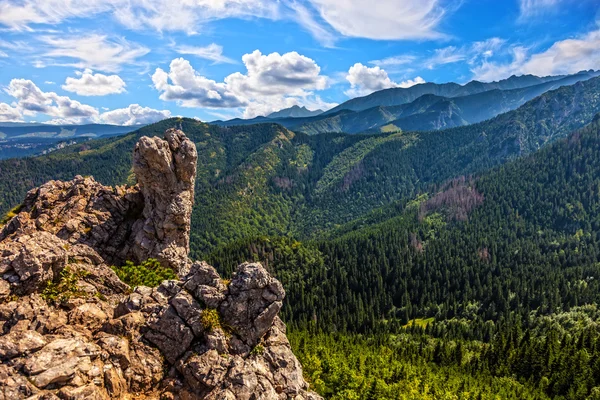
(166, 172)
(193, 338)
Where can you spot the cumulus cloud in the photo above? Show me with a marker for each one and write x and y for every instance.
(212, 52)
(270, 82)
(275, 74)
(190, 89)
(30, 101)
(9, 113)
(134, 115)
(385, 20)
(563, 57)
(90, 84)
(365, 80)
(97, 52)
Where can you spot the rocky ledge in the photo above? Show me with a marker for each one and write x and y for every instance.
(70, 329)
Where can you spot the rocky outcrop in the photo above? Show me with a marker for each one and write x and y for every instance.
(149, 220)
(166, 172)
(70, 329)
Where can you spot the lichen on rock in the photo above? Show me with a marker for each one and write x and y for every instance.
(189, 338)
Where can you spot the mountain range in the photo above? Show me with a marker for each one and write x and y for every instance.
(424, 107)
(24, 139)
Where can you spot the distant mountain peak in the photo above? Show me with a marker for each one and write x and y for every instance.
(294, 112)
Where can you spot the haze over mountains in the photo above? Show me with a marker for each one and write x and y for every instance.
(23, 139)
(427, 106)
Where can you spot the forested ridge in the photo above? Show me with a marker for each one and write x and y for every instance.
(459, 264)
(444, 302)
(266, 180)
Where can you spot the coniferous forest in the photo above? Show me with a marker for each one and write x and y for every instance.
(454, 264)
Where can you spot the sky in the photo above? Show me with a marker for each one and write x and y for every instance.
(129, 62)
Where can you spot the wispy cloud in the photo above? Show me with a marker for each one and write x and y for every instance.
(394, 61)
(97, 52)
(563, 57)
(212, 52)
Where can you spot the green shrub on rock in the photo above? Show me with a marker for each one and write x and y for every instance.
(149, 273)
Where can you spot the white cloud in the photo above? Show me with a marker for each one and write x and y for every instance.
(212, 52)
(324, 19)
(411, 82)
(532, 8)
(365, 80)
(271, 82)
(160, 15)
(19, 14)
(305, 18)
(3, 54)
(134, 115)
(447, 55)
(189, 89)
(563, 57)
(31, 100)
(90, 84)
(9, 113)
(274, 74)
(189, 15)
(394, 61)
(383, 19)
(93, 51)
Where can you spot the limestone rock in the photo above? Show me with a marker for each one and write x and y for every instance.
(20, 343)
(166, 172)
(70, 329)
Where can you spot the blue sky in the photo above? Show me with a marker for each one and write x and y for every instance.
(137, 61)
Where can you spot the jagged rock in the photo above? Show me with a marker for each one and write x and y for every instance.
(20, 343)
(254, 301)
(166, 172)
(193, 338)
(61, 361)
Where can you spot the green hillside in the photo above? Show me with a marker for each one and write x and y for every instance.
(485, 282)
(266, 180)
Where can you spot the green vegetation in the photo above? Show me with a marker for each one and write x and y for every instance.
(11, 214)
(210, 319)
(508, 272)
(65, 288)
(149, 273)
(258, 350)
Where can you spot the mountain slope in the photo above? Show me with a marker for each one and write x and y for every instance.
(432, 112)
(399, 96)
(510, 258)
(264, 179)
